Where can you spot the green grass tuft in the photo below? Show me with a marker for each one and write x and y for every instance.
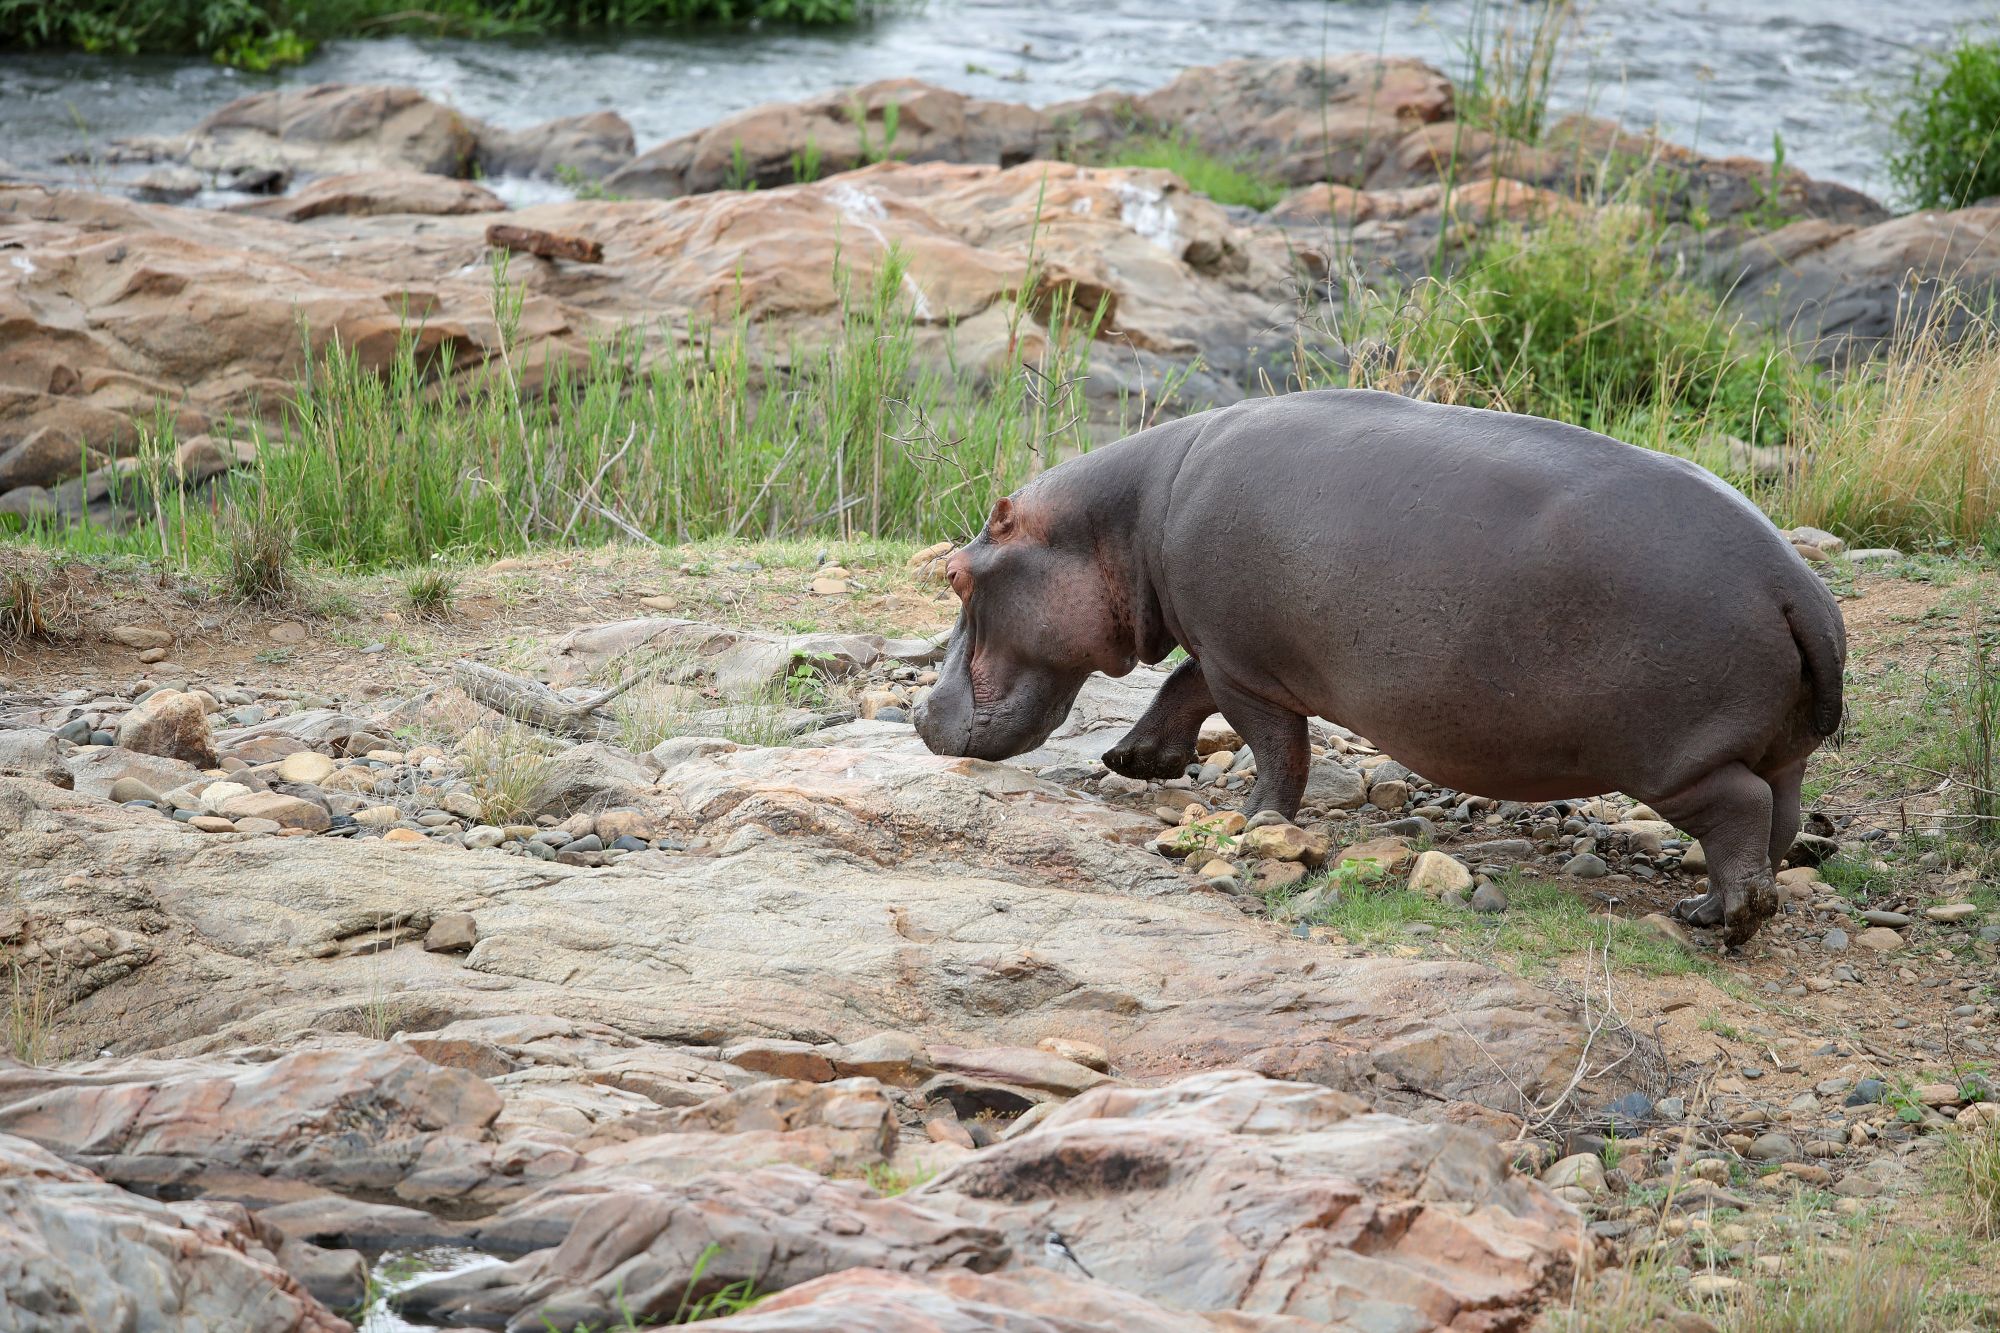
(1226, 182)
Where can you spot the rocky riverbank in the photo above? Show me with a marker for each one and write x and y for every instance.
(327, 960)
(348, 211)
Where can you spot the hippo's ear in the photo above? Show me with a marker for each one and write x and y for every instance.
(1002, 525)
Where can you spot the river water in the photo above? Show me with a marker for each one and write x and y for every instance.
(1723, 75)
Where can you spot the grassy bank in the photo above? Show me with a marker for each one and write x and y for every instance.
(669, 436)
(258, 34)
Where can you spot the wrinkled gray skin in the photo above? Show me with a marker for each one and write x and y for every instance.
(1508, 605)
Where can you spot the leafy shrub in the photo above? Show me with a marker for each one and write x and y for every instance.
(1945, 130)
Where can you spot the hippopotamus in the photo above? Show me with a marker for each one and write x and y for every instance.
(1508, 605)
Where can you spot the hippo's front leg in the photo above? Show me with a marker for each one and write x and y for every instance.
(1277, 736)
(1161, 743)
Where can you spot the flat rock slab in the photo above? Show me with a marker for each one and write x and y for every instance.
(784, 938)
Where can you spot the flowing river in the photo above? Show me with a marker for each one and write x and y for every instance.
(1722, 75)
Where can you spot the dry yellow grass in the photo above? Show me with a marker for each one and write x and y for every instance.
(1908, 451)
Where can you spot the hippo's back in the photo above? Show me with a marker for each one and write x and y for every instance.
(1454, 582)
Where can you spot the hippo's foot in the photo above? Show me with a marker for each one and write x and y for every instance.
(1760, 904)
(1705, 910)
(1149, 760)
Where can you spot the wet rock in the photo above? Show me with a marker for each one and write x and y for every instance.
(78, 1253)
(594, 144)
(172, 725)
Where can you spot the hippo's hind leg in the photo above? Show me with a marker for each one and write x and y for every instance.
(1785, 784)
(1730, 811)
(1161, 743)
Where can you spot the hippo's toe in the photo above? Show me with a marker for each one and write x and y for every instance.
(1705, 910)
(1148, 761)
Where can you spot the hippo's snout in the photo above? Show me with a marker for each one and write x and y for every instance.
(944, 719)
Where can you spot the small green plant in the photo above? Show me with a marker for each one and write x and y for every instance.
(731, 1299)
(740, 176)
(892, 119)
(1770, 211)
(430, 593)
(1946, 126)
(806, 163)
(586, 187)
(1510, 65)
(888, 1181)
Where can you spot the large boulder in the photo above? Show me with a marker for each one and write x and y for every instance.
(79, 1254)
(331, 127)
(1844, 291)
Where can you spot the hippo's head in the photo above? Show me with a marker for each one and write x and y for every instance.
(1038, 612)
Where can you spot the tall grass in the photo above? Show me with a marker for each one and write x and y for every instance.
(1907, 451)
(1583, 319)
(1509, 55)
(669, 437)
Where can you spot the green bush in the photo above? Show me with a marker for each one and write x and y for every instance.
(1945, 131)
(1588, 321)
(258, 34)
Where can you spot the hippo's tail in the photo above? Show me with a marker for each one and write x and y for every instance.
(1824, 650)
